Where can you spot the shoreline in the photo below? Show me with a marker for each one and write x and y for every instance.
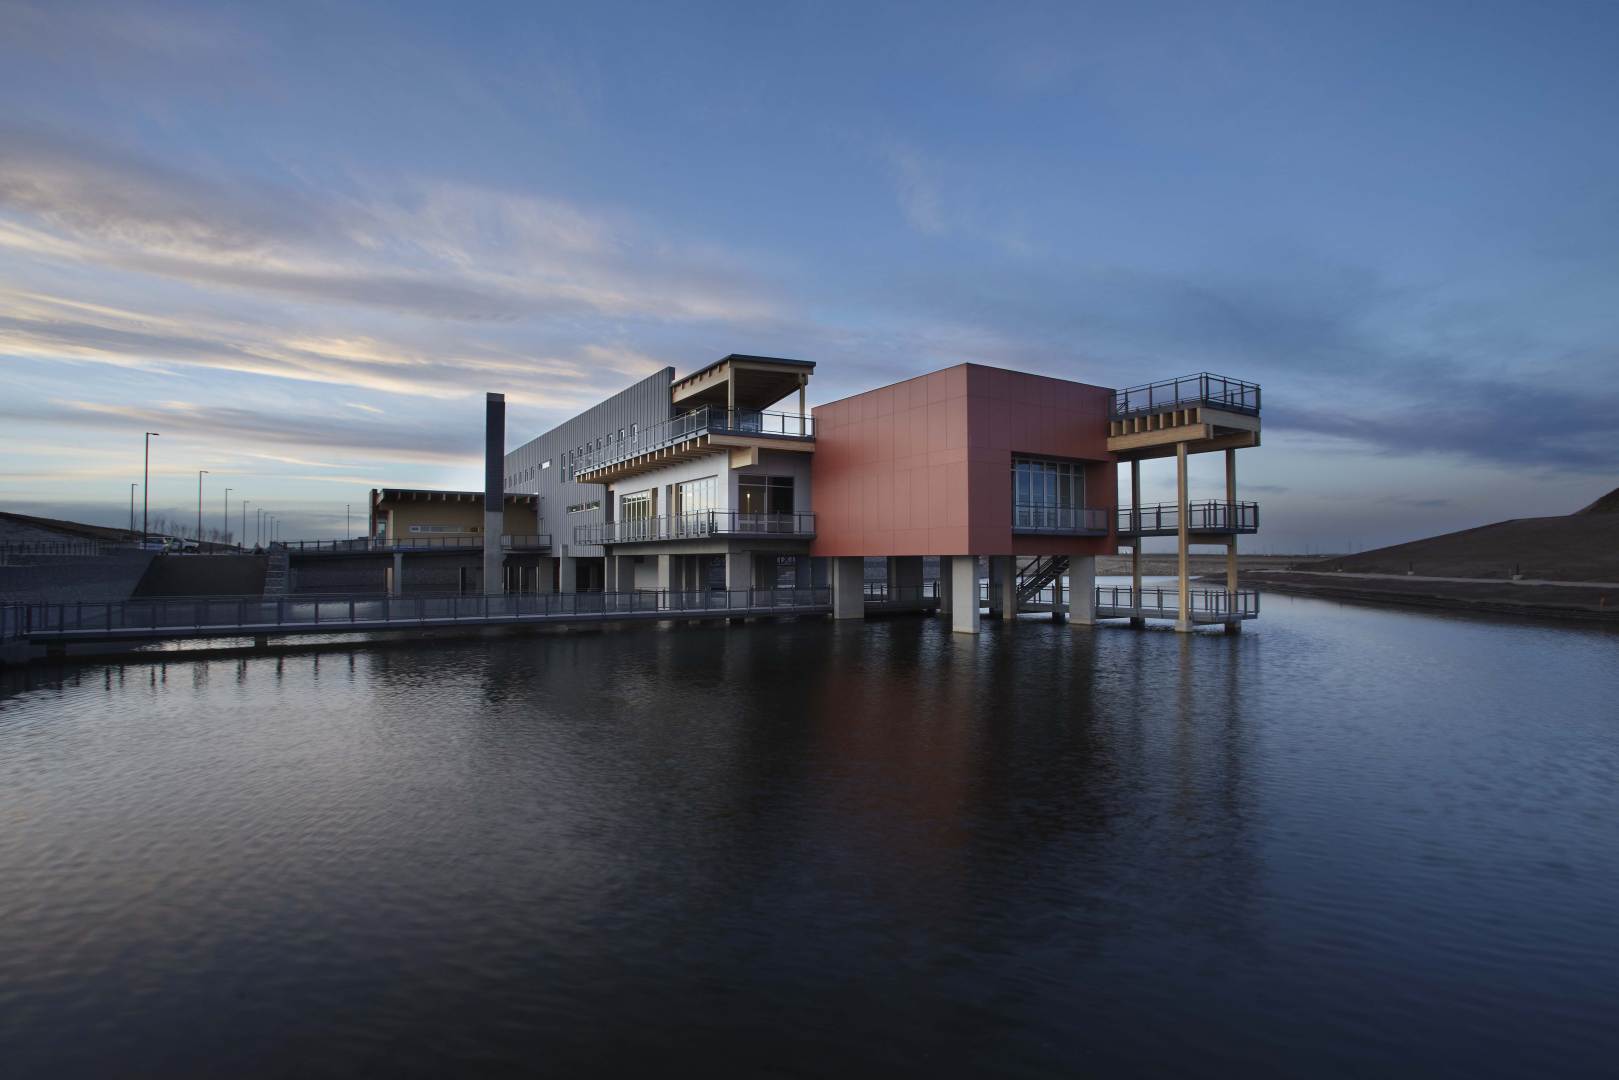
(1562, 603)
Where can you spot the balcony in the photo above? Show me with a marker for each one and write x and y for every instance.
(702, 525)
(699, 431)
(1047, 520)
(1188, 391)
(1203, 606)
(1209, 518)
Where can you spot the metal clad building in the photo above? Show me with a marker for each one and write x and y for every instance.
(545, 466)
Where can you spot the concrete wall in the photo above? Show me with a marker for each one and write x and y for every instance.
(204, 575)
(73, 579)
(464, 514)
(923, 467)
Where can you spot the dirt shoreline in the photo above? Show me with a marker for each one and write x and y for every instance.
(1560, 602)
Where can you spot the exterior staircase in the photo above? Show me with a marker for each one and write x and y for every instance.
(277, 573)
(1037, 574)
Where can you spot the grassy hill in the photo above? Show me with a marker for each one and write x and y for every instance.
(1583, 546)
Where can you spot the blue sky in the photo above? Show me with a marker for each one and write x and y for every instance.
(303, 240)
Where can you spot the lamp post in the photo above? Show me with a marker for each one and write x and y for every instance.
(258, 526)
(146, 481)
(241, 541)
(348, 525)
(200, 474)
(224, 522)
(132, 488)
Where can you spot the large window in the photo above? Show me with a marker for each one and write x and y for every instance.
(765, 494)
(1048, 495)
(635, 513)
(697, 496)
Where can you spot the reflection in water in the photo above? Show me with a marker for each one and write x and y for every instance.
(794, 847)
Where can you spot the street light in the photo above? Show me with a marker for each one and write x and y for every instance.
(200, 474)
(146, 481)
(348, 526)
(132, 488)
(224, 522)
(258, 526)
(241, 541)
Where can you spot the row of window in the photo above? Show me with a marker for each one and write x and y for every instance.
(571, 460)
(755, 495)
(1047, 482)
(580, 508)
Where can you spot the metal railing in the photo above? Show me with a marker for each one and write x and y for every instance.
(258, 615)
(1118, 601)
(695, 526)
(882, 593)
(707, 420)
(66, 547)
(1200, 389)
(1209, 516)
(1077, 520)
(365, 545)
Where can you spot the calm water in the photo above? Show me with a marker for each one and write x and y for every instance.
(1348, 841)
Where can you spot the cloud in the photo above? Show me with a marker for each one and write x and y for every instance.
(916, 188)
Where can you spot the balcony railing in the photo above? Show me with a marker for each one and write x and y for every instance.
(1211, 516)
(1070, 520)
(1217, 391)
(365, 545)
(707, 420)
(696, 526)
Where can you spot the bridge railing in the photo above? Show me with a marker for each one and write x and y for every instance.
(1161, 603)
(227, 616)
(363, 545)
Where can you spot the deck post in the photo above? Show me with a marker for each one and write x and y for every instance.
(1135, 545)
(396, 583)
(1232, 626)
(1183, 599)
(962, 570)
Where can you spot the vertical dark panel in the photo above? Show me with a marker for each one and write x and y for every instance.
(494, 453)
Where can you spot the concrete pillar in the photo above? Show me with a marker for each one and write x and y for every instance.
(905, 581)
(396, 579)
(1082, 590)
(666, 571)
(1006, 587)
(1183, 616)
(567, 574)
(962, 570)
(1135, 548)
(494, 492)
(738, 570)
(848, 587)
(1235, 625)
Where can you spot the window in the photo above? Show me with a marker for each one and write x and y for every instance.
(765, 494)
(635, 434)
(635, 516)
(546, 464)
(580, 508)
(1048, 494)
(420, 529)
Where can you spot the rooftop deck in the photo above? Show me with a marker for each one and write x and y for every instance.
(700, 431)
(1214, 391)
(700, 525)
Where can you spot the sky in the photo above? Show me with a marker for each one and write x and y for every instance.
(301, 241)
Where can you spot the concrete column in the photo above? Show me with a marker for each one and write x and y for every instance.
(1007, 587)
(567, 574)
(905, 580)
(396, 580)
(1082, 590)
(1183, 616)
(666, 571)
(962, 570)
(738, 570)
(1235, 625)
(1135, 548)
(848, 587)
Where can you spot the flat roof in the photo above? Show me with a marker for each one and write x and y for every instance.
(747, 357)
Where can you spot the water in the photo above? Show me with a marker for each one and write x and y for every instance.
(1349, 841)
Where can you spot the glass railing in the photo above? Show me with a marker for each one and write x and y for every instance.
(1042, 518)
(695, 526)
(707, 420)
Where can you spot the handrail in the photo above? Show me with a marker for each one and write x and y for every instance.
(705, 420)
(1039, 517)
(364, 544)
(1165, 603)
(239, 616)
(1209, 515)
(695, 525)
(1203, 388)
